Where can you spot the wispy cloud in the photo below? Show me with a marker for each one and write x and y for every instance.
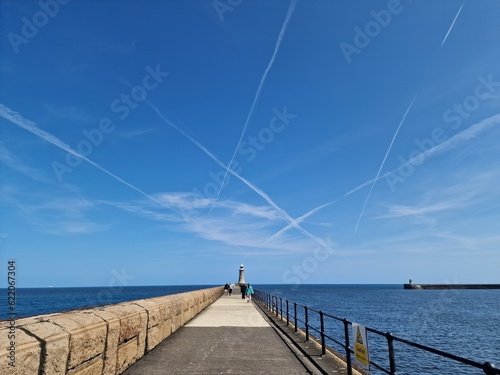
(284, 215)
(237, 224)
(402, 210)
(190, 201)
(31, 127)
(465, 135)
(291, 8)
(57, 216)
(70, 113)
(399, 127)
(473, 131)
(130, 134)
(11, 161)
(458, 196)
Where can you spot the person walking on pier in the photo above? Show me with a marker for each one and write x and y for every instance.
(249, 293)
(230, 290)
(243, 289)
(226, 289)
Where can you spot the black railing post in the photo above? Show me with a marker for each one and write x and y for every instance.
(307, 323)
(489, 368)
(281, 308)
(347, 348)
(295, 316)
(277, 309)
(323, 347)
(287, 314)
(392, 359)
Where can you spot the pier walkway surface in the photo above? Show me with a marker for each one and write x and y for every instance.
(230, 337)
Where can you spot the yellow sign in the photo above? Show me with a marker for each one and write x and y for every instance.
(359, 339)
(361, 344)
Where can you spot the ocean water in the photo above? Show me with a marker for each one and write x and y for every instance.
(37, 301)
(461, 322)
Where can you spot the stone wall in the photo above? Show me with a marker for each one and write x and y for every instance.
(103, 340)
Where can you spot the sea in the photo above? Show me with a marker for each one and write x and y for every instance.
(465, 323)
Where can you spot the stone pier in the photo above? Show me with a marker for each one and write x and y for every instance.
(98, 341)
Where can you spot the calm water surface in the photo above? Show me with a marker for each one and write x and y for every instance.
(462, 322)
(37, 301)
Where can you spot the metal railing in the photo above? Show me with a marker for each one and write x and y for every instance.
(275, 305)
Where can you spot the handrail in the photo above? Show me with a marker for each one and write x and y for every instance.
(271, 303)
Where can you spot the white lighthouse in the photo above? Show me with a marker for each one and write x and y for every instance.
(241, 278)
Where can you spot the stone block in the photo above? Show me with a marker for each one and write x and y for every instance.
(128, 354)
(133, 323)
(153, 309)
(87, 335)
(110, 354)
(92, 367)
(56, 346)
(155, 336)
(27, 353)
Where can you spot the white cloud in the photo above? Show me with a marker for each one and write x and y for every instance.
(235, 224)
(11, 161)
(130, 134)
(71, 113)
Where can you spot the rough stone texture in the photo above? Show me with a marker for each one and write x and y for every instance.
(99, 341)
(153, 309)
(133, 321)
(127, 355)
(111, 351)
(92, 367)
(88, 335)
(56, 346)
(154, 338)
(133, 332)
(27, 353)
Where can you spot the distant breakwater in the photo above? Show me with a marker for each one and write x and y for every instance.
(451, 286)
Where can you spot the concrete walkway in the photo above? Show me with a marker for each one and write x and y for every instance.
(229, 337)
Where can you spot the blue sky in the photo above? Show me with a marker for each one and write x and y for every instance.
(355, 141)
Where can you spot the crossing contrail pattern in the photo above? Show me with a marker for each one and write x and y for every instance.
(285, 216)
(385, 158)
(31, 127)
(261, 193)
(400, 124)
(465, 135)
(291, 8)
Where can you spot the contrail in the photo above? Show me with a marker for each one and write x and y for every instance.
(261, 193)
(291, 8)
(30, 126)
(401, 123)
(465, 135)
(385, 158)
(314, 210)
(452, 24)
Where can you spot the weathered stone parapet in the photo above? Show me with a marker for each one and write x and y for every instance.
(103, 340)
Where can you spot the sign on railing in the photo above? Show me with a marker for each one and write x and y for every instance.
(302, 315)
(360, 344)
